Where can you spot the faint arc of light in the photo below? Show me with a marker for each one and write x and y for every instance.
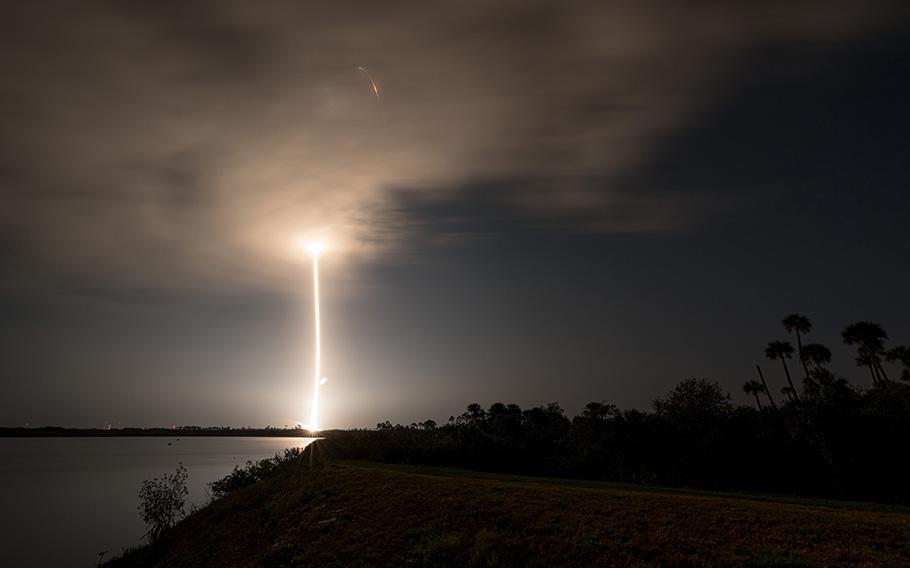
(370, 78)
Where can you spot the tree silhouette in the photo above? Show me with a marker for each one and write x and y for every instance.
(474, 413)
(831, 442)
(783, 350)
(599, 411)
(799, 324)
(869, 339)
(900, 354)
(824, 388)
(694, 399)
(765, 387)
(817, 354)
(754, 387)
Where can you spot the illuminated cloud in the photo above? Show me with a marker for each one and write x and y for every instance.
(181, 146)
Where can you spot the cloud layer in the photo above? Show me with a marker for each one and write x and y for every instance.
(174, 146)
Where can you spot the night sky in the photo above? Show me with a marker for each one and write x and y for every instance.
(549, 201)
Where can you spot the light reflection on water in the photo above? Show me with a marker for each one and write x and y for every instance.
(64, 500)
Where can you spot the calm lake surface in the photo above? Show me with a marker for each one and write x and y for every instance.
(64, 500)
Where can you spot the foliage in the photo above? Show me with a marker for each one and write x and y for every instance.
(900, 354)
(816, 353)
(830, 437)
(254, 472)
(869, 340)
(162, 501)
(694, 400)
(837, 441)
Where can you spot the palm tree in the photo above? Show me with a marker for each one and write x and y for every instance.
(881, 370)
(783, 350)
(765, 387)
(801, 325)
(869, 339)
(863, 361)
(817, 354)
(753, 388)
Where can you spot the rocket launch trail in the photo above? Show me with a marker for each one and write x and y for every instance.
(315, 249)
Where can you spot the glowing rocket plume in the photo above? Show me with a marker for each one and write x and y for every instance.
(315, 249)
(372, 82)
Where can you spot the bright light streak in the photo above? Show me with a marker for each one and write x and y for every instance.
(370, 78)
(315, 248)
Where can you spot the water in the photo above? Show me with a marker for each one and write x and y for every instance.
(64, 500)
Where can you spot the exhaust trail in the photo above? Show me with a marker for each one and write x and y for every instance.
(370, 78)
(315, 249)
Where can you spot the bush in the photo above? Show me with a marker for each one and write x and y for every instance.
(162, 501)
(254, 472)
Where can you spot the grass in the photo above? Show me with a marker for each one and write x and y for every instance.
(361, 514)
(793, 499)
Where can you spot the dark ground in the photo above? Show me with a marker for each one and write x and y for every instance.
(363, 514)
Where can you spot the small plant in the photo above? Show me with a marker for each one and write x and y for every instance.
(162, 502)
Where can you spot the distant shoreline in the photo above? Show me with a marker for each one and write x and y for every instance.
(184, 431)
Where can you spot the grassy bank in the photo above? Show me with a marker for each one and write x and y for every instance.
(362, 514)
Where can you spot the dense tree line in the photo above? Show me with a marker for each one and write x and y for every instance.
(824, 436)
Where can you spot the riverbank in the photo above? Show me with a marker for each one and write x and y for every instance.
(364, 514)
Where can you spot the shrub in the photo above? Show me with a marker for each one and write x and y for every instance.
(254, 472)
(162, 501)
